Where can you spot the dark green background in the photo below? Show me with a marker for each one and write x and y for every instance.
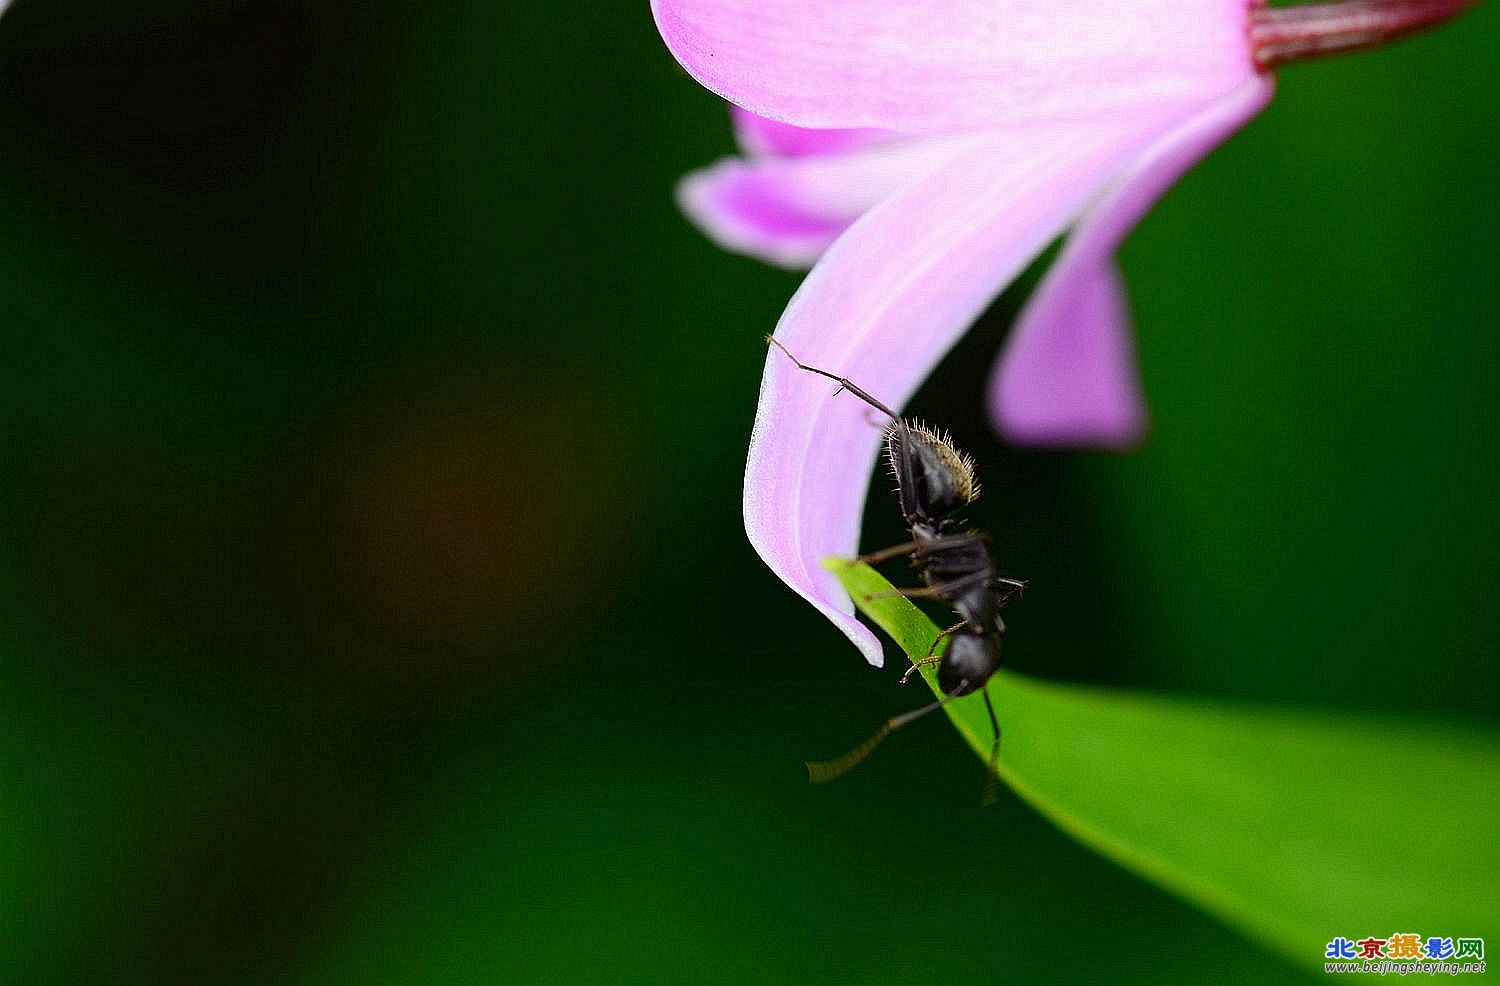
(373, 598)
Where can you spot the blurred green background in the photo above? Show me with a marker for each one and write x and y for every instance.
(374, 606)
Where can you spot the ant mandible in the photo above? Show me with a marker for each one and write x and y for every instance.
(933, 481)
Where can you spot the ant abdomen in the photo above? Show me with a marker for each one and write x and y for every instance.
(968, 663)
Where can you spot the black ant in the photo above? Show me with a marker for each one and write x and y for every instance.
(933, 480)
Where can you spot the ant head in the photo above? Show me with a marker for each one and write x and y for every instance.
(968, 662)
(933, 478)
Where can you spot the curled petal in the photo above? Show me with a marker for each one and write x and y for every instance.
(760, 137)
(881, 307)
(1072, 379)
(1068, 374)
(787, 210)
(928, 66)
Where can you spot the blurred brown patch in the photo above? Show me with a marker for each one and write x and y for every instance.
(456, 537)
(412, 546)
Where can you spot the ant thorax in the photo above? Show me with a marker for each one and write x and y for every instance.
(957, 565)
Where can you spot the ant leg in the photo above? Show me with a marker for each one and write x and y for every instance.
(933, 657)
(1008, 589)
(942, 590)
(942, 635)
(886, 554)
(992, 782)
(823, 771)
(938, 659)
(930, 592)
(950, 540)
(844, 382)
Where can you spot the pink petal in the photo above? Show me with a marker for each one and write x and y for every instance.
(760, 137)
(926, 66)
(884, 304)
(787, 210)
(1068, 374)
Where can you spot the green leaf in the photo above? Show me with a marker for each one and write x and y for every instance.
(1292, 825)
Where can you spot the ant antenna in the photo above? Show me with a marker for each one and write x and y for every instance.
(823, 771)
(844, 382)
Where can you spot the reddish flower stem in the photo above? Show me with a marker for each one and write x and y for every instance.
(1284, 34)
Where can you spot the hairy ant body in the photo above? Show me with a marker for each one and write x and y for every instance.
(933, 481)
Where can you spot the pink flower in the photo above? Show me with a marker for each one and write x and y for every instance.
(918, 154)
